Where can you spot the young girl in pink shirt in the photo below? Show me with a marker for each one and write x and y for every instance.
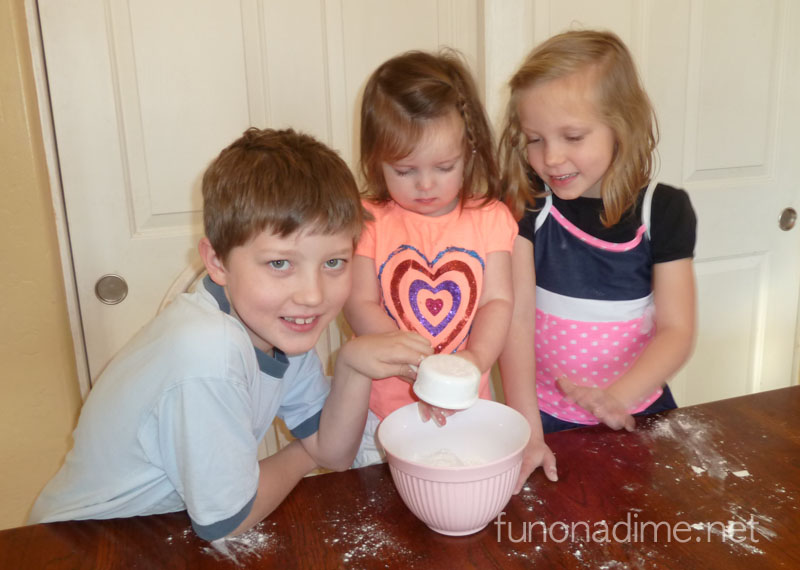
(436, 259)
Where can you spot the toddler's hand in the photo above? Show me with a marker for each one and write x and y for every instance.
(438, 415)
(383, 355)
(467, 354)
(599, 403)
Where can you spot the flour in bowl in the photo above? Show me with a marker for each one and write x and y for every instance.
(446, 458)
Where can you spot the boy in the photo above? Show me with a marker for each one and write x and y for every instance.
(174, 421)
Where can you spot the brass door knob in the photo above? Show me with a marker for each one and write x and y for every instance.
(787, 219)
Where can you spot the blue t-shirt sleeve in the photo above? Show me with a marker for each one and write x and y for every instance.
(308, 388)
(222, 528)
(200, 434)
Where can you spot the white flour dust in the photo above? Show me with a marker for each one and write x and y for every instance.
(238, 549)
(699, 441)
(447, 458)
(185, 535)
(780, 495)
(529, 498)
(361, 532)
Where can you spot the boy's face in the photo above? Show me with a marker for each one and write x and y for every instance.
(286, 290)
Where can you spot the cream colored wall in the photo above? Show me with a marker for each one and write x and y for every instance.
(39, 397)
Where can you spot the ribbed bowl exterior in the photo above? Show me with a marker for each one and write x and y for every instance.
(457, 508)
(482, 447)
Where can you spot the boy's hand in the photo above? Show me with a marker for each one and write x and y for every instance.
(383, 355)
(536, 454)
(599, 403)
(438, 415)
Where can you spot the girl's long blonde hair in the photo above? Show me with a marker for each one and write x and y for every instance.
(621, 102)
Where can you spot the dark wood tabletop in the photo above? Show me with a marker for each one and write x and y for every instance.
(709, 486)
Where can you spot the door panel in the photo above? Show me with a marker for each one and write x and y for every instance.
(144, 94)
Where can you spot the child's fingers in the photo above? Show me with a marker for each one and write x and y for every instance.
(549, 466)
(583, 396)
(616, 420)
(416, 342)
(406, 372)
(630, 423)
(439, 415)
(598, 403)
(568, 388)
(424, 411)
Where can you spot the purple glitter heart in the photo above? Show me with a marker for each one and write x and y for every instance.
(449, 286)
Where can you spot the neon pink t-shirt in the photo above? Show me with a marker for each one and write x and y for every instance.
(430, 274)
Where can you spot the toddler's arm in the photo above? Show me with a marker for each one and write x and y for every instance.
(490, 325)
(363, 309)
(518, 365)
(365, 315)
(670, 347)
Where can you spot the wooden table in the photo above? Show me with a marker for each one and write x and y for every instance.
(709, 486)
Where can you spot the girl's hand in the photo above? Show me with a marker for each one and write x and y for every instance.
(469, 356)
(536, 454)
(438, 415)
(599, 403)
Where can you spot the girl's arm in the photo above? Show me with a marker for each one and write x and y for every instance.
(490, 325)
(670, 347)
(363, 309)
(518, 362)
(674, 298)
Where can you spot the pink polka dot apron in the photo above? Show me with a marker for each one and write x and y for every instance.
(594, 308)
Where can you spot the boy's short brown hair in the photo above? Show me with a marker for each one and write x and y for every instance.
(281, 181)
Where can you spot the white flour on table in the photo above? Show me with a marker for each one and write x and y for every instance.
(699, 441)
(236, 549)
(240, 548)
(363, 532)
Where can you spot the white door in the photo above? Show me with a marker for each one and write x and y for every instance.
(724, 77)
(145, 93)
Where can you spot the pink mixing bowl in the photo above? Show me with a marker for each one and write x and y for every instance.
(458, 477)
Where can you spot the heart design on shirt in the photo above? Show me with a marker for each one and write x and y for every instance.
(419, 287)
(434, 305)
(442, 301)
